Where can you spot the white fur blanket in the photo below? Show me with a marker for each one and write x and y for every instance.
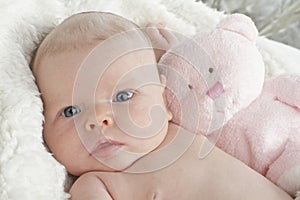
(27, 170)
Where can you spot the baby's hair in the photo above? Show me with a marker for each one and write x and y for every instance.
(79, 31)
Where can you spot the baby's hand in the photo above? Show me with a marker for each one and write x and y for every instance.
(161, 39)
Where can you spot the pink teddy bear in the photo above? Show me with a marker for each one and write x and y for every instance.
(216, 87)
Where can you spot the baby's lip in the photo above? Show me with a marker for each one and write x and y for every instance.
(105, 148)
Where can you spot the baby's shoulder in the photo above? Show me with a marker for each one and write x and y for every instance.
(122, 185)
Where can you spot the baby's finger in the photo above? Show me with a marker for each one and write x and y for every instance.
(157, 39)
(169, 36)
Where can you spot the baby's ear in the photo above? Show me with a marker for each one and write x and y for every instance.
(240, 24)
(163, 80)
(169, 115)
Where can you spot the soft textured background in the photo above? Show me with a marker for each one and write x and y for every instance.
(276, 19)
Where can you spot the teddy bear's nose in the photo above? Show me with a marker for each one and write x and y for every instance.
(215, 91)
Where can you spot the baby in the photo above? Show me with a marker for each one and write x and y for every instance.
(107, 123)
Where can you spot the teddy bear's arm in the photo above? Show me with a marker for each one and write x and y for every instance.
(286, 89)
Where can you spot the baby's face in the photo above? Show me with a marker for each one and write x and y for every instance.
(105, 124)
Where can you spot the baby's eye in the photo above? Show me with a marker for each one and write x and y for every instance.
(70, 111)
(123, 96)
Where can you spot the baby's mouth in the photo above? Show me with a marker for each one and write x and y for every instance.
(106, 148)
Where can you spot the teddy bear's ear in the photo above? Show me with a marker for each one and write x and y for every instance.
(240, 24)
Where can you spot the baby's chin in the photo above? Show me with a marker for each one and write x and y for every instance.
(119, 162)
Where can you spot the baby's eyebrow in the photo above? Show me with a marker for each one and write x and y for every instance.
(136, 81)
(124, 83)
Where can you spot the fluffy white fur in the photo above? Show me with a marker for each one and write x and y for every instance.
(27, 170)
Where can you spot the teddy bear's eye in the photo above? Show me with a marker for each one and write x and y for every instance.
(190, 86)
(211, 70)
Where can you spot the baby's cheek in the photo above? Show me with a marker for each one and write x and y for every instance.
(60, 136)
(140, 113)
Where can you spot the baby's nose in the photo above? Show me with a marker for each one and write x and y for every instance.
(100, 121)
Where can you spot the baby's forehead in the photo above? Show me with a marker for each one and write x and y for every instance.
(129, 46)
(110, 59)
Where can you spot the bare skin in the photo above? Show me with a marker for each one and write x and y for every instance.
(218, 176)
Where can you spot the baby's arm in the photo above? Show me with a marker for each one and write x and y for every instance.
(89, 187)
(232, 179)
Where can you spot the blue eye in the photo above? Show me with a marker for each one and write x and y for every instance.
(70, 111)
(123, 96)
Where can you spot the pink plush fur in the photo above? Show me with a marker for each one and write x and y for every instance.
(254, 120)
(266, 134)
